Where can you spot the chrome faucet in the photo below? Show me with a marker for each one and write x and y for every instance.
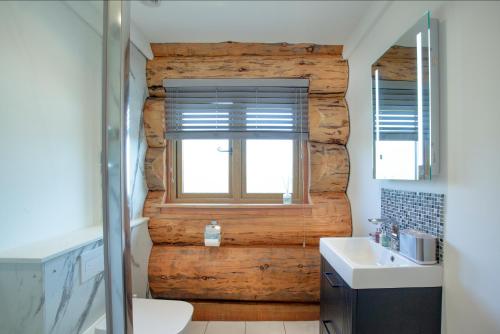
(394, 236)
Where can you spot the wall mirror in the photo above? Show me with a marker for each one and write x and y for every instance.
(405, 96)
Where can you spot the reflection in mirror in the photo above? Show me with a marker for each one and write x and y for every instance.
(405, 106)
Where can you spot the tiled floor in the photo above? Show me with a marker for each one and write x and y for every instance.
(253, 327)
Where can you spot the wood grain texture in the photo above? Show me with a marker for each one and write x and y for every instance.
(279, 274)
(254, 311)
(327, 74)
(154, 168)
(154, 122)
(329, 167)
(329, 215)
(242, 49)
(398, 63)
(336, 208)
(261, 271)
(328, 119)
(151, 205)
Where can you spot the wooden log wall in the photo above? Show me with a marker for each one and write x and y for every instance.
(399, 63)
(267, 267)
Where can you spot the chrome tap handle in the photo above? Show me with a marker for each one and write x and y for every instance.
(376, 221)
(394, 230)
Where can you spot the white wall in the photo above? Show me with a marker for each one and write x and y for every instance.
(50, 84)
(470, 179)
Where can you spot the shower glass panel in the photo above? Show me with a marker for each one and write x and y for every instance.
(55, 198)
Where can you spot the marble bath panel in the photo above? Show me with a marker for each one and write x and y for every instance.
(71, 305)
(21, 298)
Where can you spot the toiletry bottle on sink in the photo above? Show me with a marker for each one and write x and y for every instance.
(385, 239)
(377, 235)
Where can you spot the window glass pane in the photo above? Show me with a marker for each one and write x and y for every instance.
(269, 166)
(205, 169)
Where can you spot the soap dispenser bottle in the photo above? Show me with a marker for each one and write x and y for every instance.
(378, 231)
(385, 239)
(212, 234)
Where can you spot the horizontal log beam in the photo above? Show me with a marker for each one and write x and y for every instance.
(151, 205)
(242, 49)
(277, 274)
(154, 168)
(327, 74)
(254, 311)
(328, 119)
(154, 122)
(328, 215)
(330, 204)
(329, 167)
(399, 63)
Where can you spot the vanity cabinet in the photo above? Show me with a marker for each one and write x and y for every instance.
(376, 311)
(335, 300)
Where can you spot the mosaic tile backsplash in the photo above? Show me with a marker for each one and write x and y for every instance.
(417, 210)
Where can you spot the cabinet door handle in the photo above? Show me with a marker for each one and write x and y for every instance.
(330, 280)
(325, 322)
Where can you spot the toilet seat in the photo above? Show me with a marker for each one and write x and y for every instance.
(157, 316)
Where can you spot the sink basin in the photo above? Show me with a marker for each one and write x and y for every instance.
(364, 264)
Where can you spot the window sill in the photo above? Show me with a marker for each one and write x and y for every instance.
(231, 206)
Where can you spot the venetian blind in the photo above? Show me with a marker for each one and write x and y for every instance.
(397, 117)
(236, 108)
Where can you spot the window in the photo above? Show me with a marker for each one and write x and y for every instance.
(235, 143)
(237, 170)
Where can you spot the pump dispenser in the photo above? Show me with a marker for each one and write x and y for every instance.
(376, 236)
(212, 234)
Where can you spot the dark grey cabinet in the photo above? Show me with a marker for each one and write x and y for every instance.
(336, 306)
(376, 311)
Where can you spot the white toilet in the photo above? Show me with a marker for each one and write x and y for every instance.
(156, 316)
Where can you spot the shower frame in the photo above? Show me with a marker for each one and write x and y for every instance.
(116, 220)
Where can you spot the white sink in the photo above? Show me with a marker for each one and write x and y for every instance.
(364, 264)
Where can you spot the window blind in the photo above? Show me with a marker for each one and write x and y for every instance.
(397, 118)
(236, 108)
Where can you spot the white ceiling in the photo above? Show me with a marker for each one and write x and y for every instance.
(321, 22)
